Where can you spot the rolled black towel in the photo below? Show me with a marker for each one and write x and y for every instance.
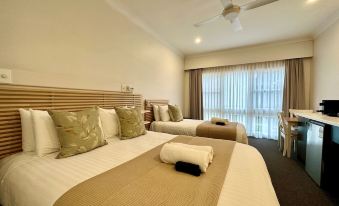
(188, 168)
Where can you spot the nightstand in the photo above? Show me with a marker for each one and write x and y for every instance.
(146, 123)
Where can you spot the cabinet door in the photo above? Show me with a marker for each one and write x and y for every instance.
(302, 140)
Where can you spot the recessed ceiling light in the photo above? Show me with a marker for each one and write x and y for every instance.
(311, 1)
(197, 40)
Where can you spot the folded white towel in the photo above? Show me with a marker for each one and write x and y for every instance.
(208, 149)
(172, 153)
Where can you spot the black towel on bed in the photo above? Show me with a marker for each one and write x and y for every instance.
(188, 168)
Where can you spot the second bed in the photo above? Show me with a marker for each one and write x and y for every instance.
(191, 127)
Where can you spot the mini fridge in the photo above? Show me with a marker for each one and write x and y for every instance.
(314, 150)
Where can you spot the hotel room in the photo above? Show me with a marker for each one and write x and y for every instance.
(154, 102)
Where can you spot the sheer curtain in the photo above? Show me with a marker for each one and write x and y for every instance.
(251, 94)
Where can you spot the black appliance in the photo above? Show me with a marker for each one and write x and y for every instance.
(330, 107)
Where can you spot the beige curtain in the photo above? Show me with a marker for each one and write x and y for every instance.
(195, 93)
(294, 86)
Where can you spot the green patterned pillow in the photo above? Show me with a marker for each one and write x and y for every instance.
(175, 113)
(131, 122)
(78, 132)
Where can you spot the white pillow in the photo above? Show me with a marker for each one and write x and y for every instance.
(156, 112)
(109, 121)
(28, 139)
(46, 138)
(164, 115)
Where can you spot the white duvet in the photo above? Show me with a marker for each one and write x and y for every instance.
(189, 127)
(26, 179)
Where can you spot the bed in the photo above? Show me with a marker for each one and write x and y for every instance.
(193, 127)
(27, 179)
(189, 127)
(30, 180)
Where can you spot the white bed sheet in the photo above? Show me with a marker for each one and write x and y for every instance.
(30, 180)
(189, 127)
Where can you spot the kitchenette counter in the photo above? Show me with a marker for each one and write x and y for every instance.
(319, 117)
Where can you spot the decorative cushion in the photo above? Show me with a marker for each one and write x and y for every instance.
(110, 122)
(175, 113)
(28, 139)
(156, 112)
(164, 115)
(78, 132)
(131, 122)
(46, 137)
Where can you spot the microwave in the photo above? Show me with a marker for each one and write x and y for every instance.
(330, 108)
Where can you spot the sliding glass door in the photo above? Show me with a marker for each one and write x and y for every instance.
(251, 94)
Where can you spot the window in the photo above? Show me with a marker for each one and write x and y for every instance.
(251, 94)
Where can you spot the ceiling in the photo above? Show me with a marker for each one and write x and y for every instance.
(172, 21)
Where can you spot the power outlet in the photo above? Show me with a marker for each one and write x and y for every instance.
(5, 76)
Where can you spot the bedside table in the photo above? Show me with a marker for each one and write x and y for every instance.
(146, 123)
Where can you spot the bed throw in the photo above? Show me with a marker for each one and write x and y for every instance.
(227, 132)
(172, 153)
(145, 180)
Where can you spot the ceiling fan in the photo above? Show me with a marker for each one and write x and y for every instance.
(231, 12)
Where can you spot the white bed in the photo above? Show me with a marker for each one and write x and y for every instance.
(27, 179)
(189, 126)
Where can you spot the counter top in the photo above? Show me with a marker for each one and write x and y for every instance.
(334, 121)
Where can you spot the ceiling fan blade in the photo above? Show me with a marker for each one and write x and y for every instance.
(236, 25)
(226, 3)
(208, 20)
(256, 3)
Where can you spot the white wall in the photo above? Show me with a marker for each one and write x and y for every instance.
(251, 54)
(326, 66)
(85, 44)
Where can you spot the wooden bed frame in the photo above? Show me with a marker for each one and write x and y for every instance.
(13, 97)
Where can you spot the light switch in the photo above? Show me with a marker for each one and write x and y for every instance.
(5, 76)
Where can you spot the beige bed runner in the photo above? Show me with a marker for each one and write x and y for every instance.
(145, 180)
(227, 132)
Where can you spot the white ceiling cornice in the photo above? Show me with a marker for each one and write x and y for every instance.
(133, 18)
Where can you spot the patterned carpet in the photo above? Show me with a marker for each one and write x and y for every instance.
(291, 183)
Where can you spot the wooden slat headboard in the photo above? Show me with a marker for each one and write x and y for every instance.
(13, 97)
(149, 106)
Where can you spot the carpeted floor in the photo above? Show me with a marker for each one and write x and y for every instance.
(291, 183)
